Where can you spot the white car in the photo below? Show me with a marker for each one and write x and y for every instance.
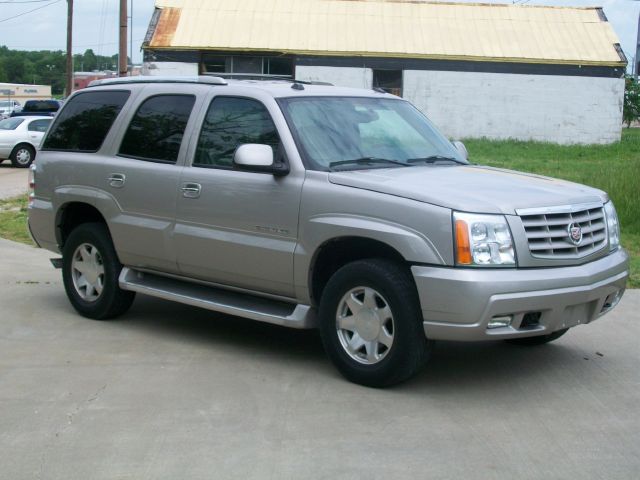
(20, 138)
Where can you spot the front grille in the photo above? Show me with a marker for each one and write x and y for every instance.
(548, 231)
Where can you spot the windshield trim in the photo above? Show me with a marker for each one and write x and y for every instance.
(304, 155)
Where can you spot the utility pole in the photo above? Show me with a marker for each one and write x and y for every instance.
(69, 49)
(122, 52)
(636, 60)
(131, 36)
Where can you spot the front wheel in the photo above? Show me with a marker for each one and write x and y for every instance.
(539, 340)
(371, 323)
(90, 271)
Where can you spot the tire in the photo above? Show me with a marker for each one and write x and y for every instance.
(90, 271)
(22, 156)
(386, 344)
(539, 340)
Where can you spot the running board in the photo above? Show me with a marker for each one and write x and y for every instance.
(218, 299)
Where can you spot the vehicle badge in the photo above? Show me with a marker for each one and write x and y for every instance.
(575, 233)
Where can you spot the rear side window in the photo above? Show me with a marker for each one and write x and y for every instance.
(156, 130)
(38, 125)
(85, 121)
(231, 122)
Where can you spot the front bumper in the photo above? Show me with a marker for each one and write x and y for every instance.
(459, 303)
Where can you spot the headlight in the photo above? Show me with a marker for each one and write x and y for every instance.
(613, 227)
(482, 240)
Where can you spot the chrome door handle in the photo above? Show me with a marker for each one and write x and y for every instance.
(191, 190)
(116, 180)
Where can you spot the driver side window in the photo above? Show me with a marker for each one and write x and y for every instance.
(231, 122)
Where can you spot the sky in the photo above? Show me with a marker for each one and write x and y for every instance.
(96, 23)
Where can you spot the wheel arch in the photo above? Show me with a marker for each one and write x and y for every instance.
(337, 252)
(72, 214)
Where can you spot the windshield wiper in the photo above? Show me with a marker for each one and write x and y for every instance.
(434, 159)
(367, 161)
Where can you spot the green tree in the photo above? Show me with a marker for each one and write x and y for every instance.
(631, 110)
(90, 61)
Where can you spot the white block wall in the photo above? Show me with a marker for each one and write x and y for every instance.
(170, 69)
(526, 107)
(341, 76)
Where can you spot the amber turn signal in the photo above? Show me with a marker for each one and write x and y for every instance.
(463, 250)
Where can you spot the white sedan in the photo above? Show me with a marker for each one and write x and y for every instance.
(20, 138)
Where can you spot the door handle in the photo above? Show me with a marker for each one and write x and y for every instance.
(191, 190)
(116, 180)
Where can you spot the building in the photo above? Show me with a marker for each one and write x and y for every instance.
(497, 71)
(83, 79)
(23, 92)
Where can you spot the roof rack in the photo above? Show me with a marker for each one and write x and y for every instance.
(264, 76)
(206, 79)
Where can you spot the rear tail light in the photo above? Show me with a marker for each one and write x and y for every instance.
(32, 184)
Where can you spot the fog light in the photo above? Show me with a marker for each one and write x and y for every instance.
(502, 321)
(611, 301)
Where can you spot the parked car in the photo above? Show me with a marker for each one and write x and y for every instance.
(7, 107)
(20, 138)
(38, 108)
(315, 206)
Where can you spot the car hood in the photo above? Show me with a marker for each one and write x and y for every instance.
(470, 188)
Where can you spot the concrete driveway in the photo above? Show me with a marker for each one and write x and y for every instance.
(13, 181)
(174, 392)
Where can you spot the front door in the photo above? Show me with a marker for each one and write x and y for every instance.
(235, 227)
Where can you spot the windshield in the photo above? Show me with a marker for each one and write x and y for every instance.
(10, 123)
(348, 133)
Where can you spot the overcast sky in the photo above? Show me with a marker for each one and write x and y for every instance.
(96, 23)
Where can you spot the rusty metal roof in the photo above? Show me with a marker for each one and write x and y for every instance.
(389, 28)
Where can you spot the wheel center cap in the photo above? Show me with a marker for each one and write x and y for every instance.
(367, 324)
(92, 273)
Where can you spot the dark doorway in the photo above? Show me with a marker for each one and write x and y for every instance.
(388, 80)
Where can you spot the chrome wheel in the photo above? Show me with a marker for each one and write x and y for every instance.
(23, 156)
(87, 272)
(364, 324)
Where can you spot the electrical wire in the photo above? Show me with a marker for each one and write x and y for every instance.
(29, 11)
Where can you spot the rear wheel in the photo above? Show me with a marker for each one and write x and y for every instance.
(22, 156)
(90, 271)
(371, 323)
(539, 340)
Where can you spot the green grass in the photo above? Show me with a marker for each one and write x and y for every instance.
(13, 220)
(613, 168)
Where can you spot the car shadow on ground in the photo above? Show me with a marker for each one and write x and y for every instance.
(453, 366)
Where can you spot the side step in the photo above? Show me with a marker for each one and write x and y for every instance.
(218, 299)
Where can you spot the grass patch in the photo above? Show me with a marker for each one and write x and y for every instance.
(613, 168)
(13, 220)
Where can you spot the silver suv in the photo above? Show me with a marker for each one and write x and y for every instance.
(315, 206)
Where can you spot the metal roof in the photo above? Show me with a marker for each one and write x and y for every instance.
(389, 28)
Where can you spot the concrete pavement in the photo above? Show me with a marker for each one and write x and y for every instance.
(13, 181)
(170, 391)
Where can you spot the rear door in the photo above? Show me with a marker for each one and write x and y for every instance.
(236, 227)
(144, 174)
(36, 129)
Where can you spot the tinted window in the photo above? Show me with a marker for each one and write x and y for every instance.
(231, 122)
(41, 106)
(156, 130)
(39, 125)
(85, 121)
(10, 123)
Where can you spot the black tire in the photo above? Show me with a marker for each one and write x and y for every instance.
(22, 156)
(112, 300)
(410, 348)
(539, 340)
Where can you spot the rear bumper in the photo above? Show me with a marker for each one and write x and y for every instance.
(458, 304)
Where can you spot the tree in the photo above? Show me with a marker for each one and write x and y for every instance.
(631, 110)
(90, 61)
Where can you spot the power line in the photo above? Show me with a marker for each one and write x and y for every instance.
(27, 1)
(29, 11)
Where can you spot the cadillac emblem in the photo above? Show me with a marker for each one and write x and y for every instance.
(575, 233)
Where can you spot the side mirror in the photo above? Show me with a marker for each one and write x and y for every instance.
(255, 157)
(461, 148)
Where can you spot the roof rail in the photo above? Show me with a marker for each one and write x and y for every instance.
(206, 79)
(265, 76)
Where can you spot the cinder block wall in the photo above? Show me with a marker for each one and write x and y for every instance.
(561, 109)
(342, 76)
